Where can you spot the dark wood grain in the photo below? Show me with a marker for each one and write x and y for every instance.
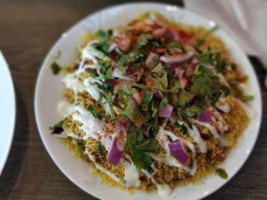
(28, 28)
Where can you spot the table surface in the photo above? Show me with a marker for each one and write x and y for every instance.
(28, 28)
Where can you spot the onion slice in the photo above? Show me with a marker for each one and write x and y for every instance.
(152, 58)
(177, 58)
(136, 98)
(178, 152)
(158, 95)
(205, 116)
(166, 111)
(115, 154)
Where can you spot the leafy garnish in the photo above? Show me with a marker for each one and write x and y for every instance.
(213, 29)
(193, 110)
(174, 44)
(143, 41)
(198, 44)
(147, 97)
(57, 125)
(93, 111)
(100, 149)
(150, 145)
(183, 129)
(222, 173)
(130, 58)
(140, 158)
(207, 85)
(139, 85)
(133, 113)
(240, 93)
(164, 102)
(55, 67)
(158, 68)
(205, 56)
(184, 98)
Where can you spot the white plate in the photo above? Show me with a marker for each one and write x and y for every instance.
(7, 111)
(49, 92)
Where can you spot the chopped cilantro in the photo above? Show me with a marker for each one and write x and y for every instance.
(183, 129)
(164, 80)
(184, 98)
(150, 145)
(164, 102)
(213, 29)
(140, 158)
(158, 68)
(108, 74)
(121, 68)
(57, 125)
(100, 149)
(222, 173)
(55, 67)
(130, 58)
(93, 111)
(139, 85)
(104, 34)
(198, 44)
(175, 87)
(193, 110)
(174, 44)
(143, 41)
(205, 56)
(133, 113)
(207, 85)
(147, 97)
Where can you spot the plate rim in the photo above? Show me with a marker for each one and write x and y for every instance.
(120, 5)
(13, 120)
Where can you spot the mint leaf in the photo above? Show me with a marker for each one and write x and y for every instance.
(147, 97)
(55, 67)
(222, 173)
(57, 125)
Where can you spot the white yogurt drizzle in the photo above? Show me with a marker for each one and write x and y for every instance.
(163, 139)
(213, 131)
(194, 133)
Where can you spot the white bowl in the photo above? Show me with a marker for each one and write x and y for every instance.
(49, 92)
(7, 111)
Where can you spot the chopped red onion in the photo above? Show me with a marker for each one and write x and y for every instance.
(158, 95)
(183, 83)
(118, 74)
(159, 32)
(179, 73)
(122, 125)
(183, 35)
(156, 26)
(136, 98)
(112, 47)
(166, 111)
(124, 43)
(131, 70)
(171, 35)
(173, 119)
(177, 151)
(177, 58)
(205, 116)
(151, 58)
(115, 154)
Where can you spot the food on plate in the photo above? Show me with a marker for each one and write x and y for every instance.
(152, 105)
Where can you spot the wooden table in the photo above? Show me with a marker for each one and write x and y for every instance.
(28, 28)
